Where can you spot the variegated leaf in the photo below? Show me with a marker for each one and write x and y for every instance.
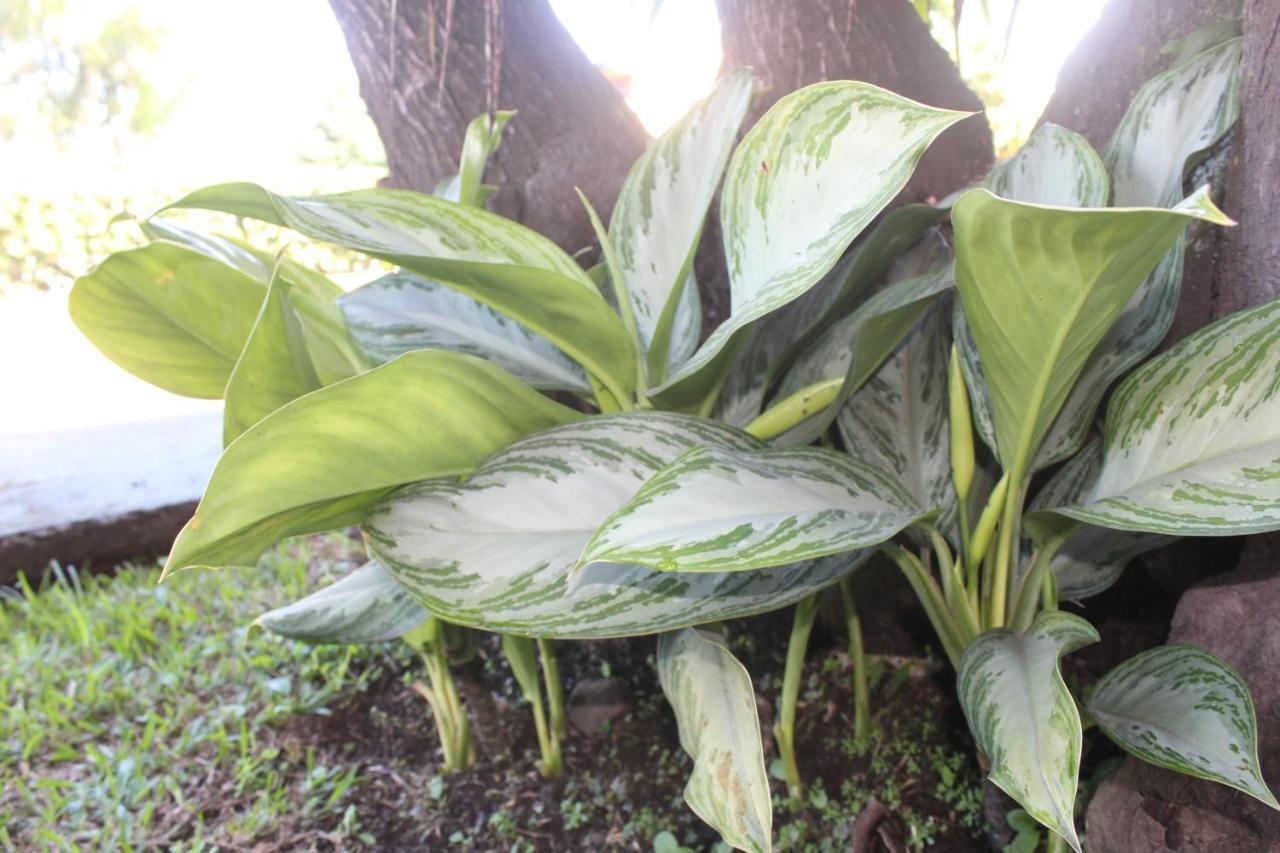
(497, 552)
(491, 259)
(856, 346)
(716, 509)
(1055, 167)
(812, 173)
(897, 421)
(658, 218)
(324, 460)
(1023, 717)
(1174, 117)
(402, 312)
(1183, 708)
(1092, 558)
(366, 606)
(274, 367)
(1041, 286)
(1192, 442)
(715, 707)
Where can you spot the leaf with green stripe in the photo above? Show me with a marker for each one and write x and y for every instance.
(402, 312)
(322, 461)
(274, 367)
(658, 218)
(169, 315)
(1040, 287)
(1054, 167)
(1092, 558)
(508, 267)
(855, 347)
(366, 606)
(715, 707)
(1172, 120)
(1023, 717)
(1183, 708)
(804, 182)
(897, 421)
(1192, 441)
(498, 552)
(716, 509)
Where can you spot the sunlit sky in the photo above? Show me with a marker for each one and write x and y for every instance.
(253, 79)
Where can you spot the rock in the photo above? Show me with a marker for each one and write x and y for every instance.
(1145, 808)
(593, 702)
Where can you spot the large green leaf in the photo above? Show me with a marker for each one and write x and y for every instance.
(1174, 118)
(1040, 287)
(323, 460)
(1192, 442)
(498, 552)
(402, 312)
(496, 261)
(312, 295)
(366, 606)
(811, 174)
(1183, 708)
(172, 316)
(274, 367)
(1092, 558)
(715, 707)
(897, 421)
(1055, 167)
(716, 509)
(658, 218)
(1023, 716)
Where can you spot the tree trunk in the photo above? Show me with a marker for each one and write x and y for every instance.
(427, 67)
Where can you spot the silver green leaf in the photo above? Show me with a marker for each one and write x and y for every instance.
(401, 312)
(897, 421)
(498, 552)
(658, 218)
(1040, 287)
(322, 461)
(805, 181)
(366, 606)
(1192, 441)
(1092, 558)
(1023, 717)
(274, 367)
(716, 509)
(1172, 120)
(508, 267)
(715, 708)
(1054, 167)
(1183, 708)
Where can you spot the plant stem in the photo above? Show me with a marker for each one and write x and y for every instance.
(1001, 579)
(953, 587)
(524, 665)
(784, 730)
(1033, 581)
(452, 725)
(555, 690)
(1055, 843)
(857, 654)
(795, 409)
(931, 600)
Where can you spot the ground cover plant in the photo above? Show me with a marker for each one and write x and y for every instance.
(552, 453)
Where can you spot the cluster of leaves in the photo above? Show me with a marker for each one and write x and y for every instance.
(423, 406)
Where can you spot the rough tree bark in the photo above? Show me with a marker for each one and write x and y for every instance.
(427, 67)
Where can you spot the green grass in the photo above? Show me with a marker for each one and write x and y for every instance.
(137, 715)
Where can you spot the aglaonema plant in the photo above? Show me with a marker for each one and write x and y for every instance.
(839, 412)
